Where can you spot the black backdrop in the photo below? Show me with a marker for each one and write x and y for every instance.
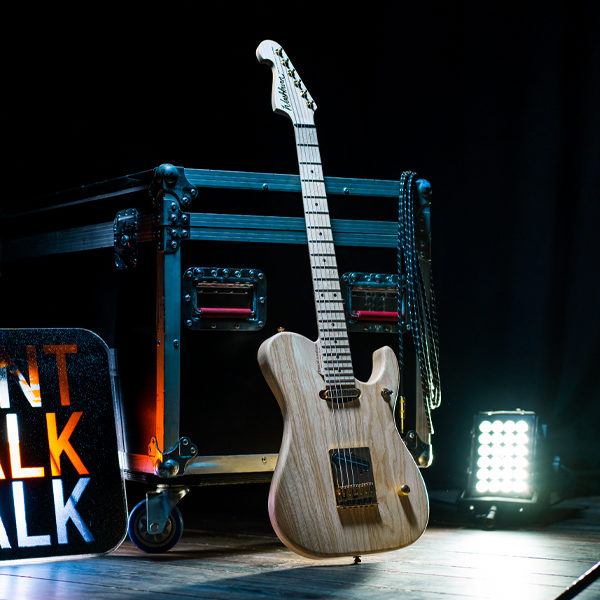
(496, 106)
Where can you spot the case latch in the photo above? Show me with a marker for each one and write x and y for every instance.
(125, 233)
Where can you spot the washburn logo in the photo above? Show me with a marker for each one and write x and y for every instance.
(283, 92)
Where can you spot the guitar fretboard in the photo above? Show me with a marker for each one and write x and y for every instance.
(333, 335)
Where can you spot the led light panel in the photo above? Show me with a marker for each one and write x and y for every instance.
(503, 455)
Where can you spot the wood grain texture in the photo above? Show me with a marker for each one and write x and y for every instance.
(302, 504)
(223, 558)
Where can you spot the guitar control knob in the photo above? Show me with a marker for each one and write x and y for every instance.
(404, 490)
(386, 394)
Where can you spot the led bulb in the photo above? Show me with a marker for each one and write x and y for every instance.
(485, 426)
(482, 486)
(497, 426)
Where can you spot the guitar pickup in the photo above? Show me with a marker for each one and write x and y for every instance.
(225, 299)
(371, 302)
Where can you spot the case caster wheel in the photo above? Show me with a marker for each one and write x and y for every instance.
(161, 542)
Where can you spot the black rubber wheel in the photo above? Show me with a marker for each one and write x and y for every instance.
(148, 542)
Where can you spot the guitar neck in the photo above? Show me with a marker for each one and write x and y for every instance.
(333, 335)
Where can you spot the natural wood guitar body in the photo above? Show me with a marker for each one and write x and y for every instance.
(302, 501)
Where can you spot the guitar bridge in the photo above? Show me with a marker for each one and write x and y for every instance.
(353, 480)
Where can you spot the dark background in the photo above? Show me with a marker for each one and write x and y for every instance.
(496, 106)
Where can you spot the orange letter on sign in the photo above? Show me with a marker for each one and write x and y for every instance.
(61, 364)
(60, 444)
(18, 472)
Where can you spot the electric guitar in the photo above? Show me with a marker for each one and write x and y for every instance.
(345, 483)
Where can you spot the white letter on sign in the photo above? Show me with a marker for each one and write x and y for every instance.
(23, 538)
(67, 511)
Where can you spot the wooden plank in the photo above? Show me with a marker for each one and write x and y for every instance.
(446, 563)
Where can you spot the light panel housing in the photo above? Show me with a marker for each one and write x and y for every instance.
(503, 457)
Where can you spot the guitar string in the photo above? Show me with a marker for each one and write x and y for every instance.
(322, 287)
(311, 220)
(337, 333)
(421, 311)
(327, 321)
(330, 332)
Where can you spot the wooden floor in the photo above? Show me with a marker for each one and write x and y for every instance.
(237, 558)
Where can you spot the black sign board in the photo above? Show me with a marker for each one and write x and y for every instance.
(61, 490)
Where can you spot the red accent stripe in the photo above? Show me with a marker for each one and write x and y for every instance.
(376, 315)
(225, 313)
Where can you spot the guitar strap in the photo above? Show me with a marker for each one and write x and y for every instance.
(414, 270)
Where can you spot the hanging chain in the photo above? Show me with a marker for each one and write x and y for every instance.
(421, 314)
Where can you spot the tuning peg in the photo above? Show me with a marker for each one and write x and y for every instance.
(278, 51)
(286, 62)
(304, 93)
(298, 84)
(310, 104)
(292, 73)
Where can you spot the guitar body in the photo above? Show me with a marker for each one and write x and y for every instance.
(303, 508)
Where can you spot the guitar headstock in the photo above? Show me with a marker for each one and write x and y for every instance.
(289, 95)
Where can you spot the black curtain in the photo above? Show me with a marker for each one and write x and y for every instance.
(496, 105)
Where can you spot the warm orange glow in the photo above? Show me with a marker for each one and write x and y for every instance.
(34, 378)
(18, 472)
(31, 390)
(60, 444)
(160, 398)
(61, 363)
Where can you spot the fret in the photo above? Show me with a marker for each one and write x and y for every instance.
(340, 377)
(311, 180)
(309, 162)
(312, 145)
(341, 336)
(322, 197)
(338, 361)
(305, 125)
